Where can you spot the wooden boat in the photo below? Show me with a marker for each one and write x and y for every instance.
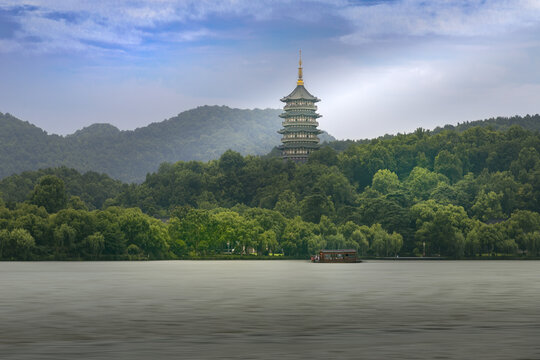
(336, 256)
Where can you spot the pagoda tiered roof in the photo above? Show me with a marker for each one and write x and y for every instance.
(300, 93)
(307, 129)
(306, 144)
(291, 113)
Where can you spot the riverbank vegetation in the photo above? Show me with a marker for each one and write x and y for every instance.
(447, 193)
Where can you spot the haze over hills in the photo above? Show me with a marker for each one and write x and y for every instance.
(200, 134)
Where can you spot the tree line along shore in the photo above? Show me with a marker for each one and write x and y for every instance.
(449, 193)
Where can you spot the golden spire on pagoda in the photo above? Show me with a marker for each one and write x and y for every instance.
(300, 80)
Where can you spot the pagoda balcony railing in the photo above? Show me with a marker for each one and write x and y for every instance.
(300, 123)
(299, 146)
(286, 115)
(300, 107)
(301, 139)
(299, 142)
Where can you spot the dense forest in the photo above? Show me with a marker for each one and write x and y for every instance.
(201, 134)
(528, 122)
(450, 193)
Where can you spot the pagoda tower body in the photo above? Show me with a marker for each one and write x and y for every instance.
(299, 123)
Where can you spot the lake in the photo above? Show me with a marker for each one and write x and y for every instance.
(270, 310)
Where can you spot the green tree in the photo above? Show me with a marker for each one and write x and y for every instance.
(335, 241)
(474, 240)
(65, 238)
(441, 227)
(134, 252)
(488, 206)
(421, 182)
(360, 238)
(24, 243)
(449, 165)
(531, 242)
(527, 161)
(336, 185)
(236, 232)
(327, 227)
(520, 226)
(50, 193)
(347, 229)
(384, 244)
(5, 244)
(326, 156)
(316, 205)
(385, 181)
(94, 245)
(177, 245)
(315, 243)
(76, 203)
(287, 204)
(267, 243)
(295, 237)
(147, 233)
(108, 224)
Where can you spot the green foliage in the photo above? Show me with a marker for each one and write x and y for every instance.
(454, 194)
(441, 227)
(24, 243)
(422, 182)
(50, 193)
(449, 165)
(326, 156)
(91, 188)
(316, 205)
(385, 182)
(488, 206)
(530, 122)
(93, 245)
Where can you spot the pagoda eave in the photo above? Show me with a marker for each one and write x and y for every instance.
(297, 145)
(313, 100)
(289, 114)
(306, 129)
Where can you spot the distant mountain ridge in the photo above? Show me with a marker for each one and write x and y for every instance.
(203, 133)
(199, 134)
(529, 122)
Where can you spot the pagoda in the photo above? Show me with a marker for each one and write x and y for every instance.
(299, 122)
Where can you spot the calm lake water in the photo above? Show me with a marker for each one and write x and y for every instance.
(270, 310)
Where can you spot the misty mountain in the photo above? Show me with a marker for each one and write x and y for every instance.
(199, 134)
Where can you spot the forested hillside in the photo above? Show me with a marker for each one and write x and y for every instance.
(528, 122)
(91, 187)
(201, 134)
(454, 194)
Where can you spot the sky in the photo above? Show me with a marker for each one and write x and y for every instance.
(378, 66)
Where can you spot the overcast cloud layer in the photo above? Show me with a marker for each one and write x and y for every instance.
(378, 66)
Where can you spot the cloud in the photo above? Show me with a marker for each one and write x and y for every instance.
(430, 62)
(459, 18)
(126, 24)
(79, 26)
